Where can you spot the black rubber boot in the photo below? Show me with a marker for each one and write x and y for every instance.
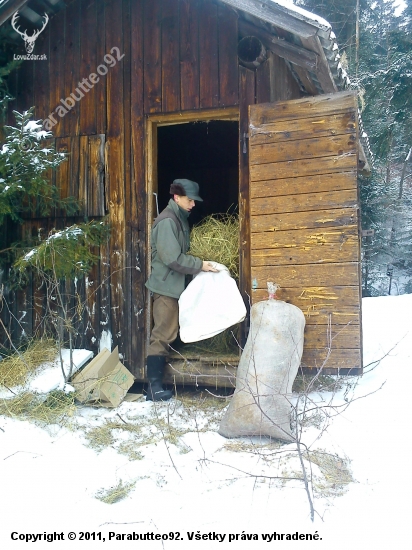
(155, 369)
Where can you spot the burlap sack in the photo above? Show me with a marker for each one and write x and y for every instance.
(267, 369)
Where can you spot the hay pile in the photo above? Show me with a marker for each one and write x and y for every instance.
(15, 369)
(216, 238)
(44, 410)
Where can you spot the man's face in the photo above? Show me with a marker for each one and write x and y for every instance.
(184, 202)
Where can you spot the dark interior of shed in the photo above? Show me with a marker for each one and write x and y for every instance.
(205, 152)
(208, 153)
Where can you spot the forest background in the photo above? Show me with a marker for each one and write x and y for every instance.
(375, 44)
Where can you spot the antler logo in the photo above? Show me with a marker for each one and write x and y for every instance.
(29, 41)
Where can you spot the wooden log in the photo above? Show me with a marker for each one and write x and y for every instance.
(212, 372)
(208, 55)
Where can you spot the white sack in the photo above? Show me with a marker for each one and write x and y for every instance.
(210, 304)
(267, 369)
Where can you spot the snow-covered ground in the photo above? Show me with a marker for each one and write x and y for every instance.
(197, 482)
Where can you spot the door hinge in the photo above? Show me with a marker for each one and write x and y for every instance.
(245, 137)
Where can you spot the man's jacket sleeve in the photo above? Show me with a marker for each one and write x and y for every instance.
(170, 252)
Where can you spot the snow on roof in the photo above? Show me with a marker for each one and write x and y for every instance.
(311, 18)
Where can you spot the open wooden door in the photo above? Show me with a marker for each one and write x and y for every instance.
(304, 220)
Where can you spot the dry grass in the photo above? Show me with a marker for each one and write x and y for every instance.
(15, 369)
(336, 474)
(53, 409)
(225, 343)
(217, 238)
(115, 494)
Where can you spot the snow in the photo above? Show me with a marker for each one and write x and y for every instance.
(49, 477)
(50, 377)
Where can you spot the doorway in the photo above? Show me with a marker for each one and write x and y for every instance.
(199, 147)
(205, 152)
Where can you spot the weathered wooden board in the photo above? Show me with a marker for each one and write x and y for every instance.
(334, 336)
(304, 128)
(116, 178)
(324, 249)
(305, 238)
(72, 67)
(301, 276)
(170, 57)
(228, 61)
(136, 201)
(247, 97)
(57, 69)
(297, 149)
(189, 54)
(333, 359)
(347, 198)
(96, 173)
(263, 82)
(152, 56)
(311, 219)
(320, 305)
(322, 105)
(88, 65)
(208, 55)
(309, 184)
(102, 48)
(304, 167)
(41, 78)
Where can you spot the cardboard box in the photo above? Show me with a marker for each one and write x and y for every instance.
(104, 381)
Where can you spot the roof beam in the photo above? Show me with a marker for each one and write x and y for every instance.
(271, 13)
(323, 72)
(295, 54)
(10, 8)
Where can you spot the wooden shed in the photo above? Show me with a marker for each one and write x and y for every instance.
(248, 98)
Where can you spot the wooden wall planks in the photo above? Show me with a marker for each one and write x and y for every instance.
(178, 55)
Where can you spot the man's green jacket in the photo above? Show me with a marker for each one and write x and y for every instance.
(170, 242)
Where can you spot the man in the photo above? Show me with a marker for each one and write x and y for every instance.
(170, 264)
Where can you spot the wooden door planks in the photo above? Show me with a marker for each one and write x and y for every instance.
(304, 219)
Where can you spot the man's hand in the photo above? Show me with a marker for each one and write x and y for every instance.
(207, 266)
